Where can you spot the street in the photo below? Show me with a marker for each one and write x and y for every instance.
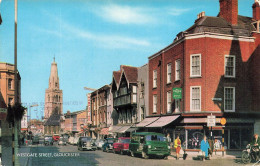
(69, 155)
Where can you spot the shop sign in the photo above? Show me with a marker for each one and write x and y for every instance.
(177, 93)
(223, 121)
(211, 121)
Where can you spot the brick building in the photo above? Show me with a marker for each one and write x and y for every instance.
(99, 112)
(7, 90)
(215, 66)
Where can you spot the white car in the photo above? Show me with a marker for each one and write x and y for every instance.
(75, 140)
(62, 141)
(71, 139)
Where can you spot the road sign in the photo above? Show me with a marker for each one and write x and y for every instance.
(177, 93)
(223, 121)
(211, 121)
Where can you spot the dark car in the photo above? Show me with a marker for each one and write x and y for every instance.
(48, 140)
(86, 143)
(35, 140)
(121, 145)
(108, 145)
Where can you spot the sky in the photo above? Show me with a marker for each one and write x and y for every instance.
(91, 39)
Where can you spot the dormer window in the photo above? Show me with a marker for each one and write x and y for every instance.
(257, 26)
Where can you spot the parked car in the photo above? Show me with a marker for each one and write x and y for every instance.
(86, 143)
(75, 140)
(108, 145)
(121, 145)
(99, 143)
(62, 141)
(48, 140)
(66, 137)
(71, 139)
(149, 144)
(56, 137)
(35, 140)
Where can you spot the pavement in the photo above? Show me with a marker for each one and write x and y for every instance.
(218, 155)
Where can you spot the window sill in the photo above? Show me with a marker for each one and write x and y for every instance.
(229, 76)
(154, 113)
(169, 83)
(154, 88)
(177, 81)
(195, 76)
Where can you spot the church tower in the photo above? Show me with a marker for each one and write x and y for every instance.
(53, 95)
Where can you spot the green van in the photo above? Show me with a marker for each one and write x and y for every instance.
(149, 144)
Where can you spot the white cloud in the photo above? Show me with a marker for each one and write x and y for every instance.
(177, 11)
(113, 41)
(126, 14)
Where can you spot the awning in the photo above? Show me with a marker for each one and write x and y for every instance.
(147, 121)
(104, 131)
(162, 121)
(114, 129)
(123, 129)
(132, 129)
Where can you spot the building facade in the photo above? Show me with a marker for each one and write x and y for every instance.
(7, 91)
(210, 69)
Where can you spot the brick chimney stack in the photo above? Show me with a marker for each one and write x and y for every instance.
(256, 10)
(229, 10)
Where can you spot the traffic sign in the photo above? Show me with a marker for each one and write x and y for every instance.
(223, 121)
(211, 121)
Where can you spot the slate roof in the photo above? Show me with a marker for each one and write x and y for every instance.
(220, 25)
(117, 75)
(54, 120)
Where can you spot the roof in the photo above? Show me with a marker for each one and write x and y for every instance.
(54, 120)
(220, 25)
(116, 75)
(131, 73)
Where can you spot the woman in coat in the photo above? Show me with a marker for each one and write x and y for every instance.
(204, 146)
(177, 146)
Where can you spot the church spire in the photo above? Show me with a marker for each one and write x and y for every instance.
(54, 78)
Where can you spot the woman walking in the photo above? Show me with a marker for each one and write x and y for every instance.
(204, 146)
(177, 146)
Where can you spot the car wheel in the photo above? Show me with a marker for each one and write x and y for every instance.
(144, 155)
(132, 153)
(114, 151)
(121, 152)
(78, 148)
(107, 149)
(165, 158)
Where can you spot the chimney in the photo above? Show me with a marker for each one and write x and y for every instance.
(229, 10)
(256, 10)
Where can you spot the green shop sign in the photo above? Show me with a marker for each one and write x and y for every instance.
(177, 93)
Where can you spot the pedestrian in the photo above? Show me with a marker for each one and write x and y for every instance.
(168, 138)
(256, 140)
(177, 146)
(204, 146)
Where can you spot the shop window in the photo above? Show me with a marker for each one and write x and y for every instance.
(235, 138)
(194, 138)
(246, 136)
(181, 133)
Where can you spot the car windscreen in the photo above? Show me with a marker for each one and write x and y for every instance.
(155, 138)
(110, 141)
(125, 140)
(86, 139)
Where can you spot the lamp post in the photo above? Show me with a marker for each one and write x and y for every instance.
(30, 121)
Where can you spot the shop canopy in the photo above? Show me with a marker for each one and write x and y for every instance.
(114, 129)
(131, 129)
(104, 131)
(147, 121)
(163, 121)
(123, 129)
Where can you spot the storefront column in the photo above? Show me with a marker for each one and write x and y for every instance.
(186, 138)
